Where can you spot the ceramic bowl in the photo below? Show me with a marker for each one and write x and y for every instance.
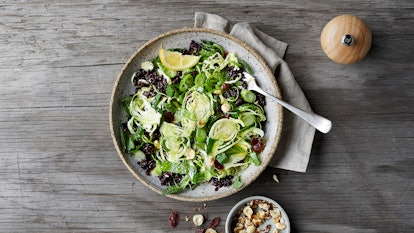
(238, 208)
(181, 38)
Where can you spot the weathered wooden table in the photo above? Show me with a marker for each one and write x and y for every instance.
(59, 171)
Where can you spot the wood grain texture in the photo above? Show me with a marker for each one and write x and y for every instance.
(59, 171)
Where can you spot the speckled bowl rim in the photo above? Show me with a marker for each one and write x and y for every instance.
(272, 147)
(244, 201)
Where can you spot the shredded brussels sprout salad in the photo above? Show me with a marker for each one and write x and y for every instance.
(197, 125)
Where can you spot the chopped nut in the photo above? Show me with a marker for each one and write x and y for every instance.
(247, 223)
(237, 229)
(275, 178)
(243, 220)
(264, 206)
(157, 144)
(275, 213)
(251, 229)
(280, 226)
(248, 211)
(276, 220)
(187, 218)
(261, 214)
(217, 92)
(226, 107)
(210, 230)
(255, 203)
(257, 221)
(198, 219)
(254, 214)
(190, 154)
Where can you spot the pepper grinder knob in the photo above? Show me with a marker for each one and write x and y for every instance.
(346, 39)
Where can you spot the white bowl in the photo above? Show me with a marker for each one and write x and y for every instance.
(180, 39)
(241, 204)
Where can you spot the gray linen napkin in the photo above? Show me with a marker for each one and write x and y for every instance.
(297, 136)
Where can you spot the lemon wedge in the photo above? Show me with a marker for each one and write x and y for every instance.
(177, 61)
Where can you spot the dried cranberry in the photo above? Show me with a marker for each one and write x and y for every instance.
(244, 84)
(222, 182)
(140, 84)
(162, 85)
(225, 86)
(194, 48)
(261, 100)
(168, 117)
(151, 77)
(218, 108)
(215, 222)
(225, 115)
(148, 149)
(140, 74)
(257, 144)
(174, 219)
(218, 165)
(230, 93)
(239, 101)
(194, 73)
(169, 178)
(147, 165)
(175, 80)
(156, 134)
(232, 72)
(146, 94)
(199, 230)
(152, 92)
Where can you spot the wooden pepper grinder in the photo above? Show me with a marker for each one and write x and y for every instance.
(346, 39)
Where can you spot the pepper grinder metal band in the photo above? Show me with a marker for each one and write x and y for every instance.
(347, 40)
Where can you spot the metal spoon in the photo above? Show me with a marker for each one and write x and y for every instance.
(320, 123)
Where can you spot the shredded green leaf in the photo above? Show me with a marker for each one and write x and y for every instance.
(237, 183)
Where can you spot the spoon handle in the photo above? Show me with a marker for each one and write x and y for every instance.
(320, 123)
